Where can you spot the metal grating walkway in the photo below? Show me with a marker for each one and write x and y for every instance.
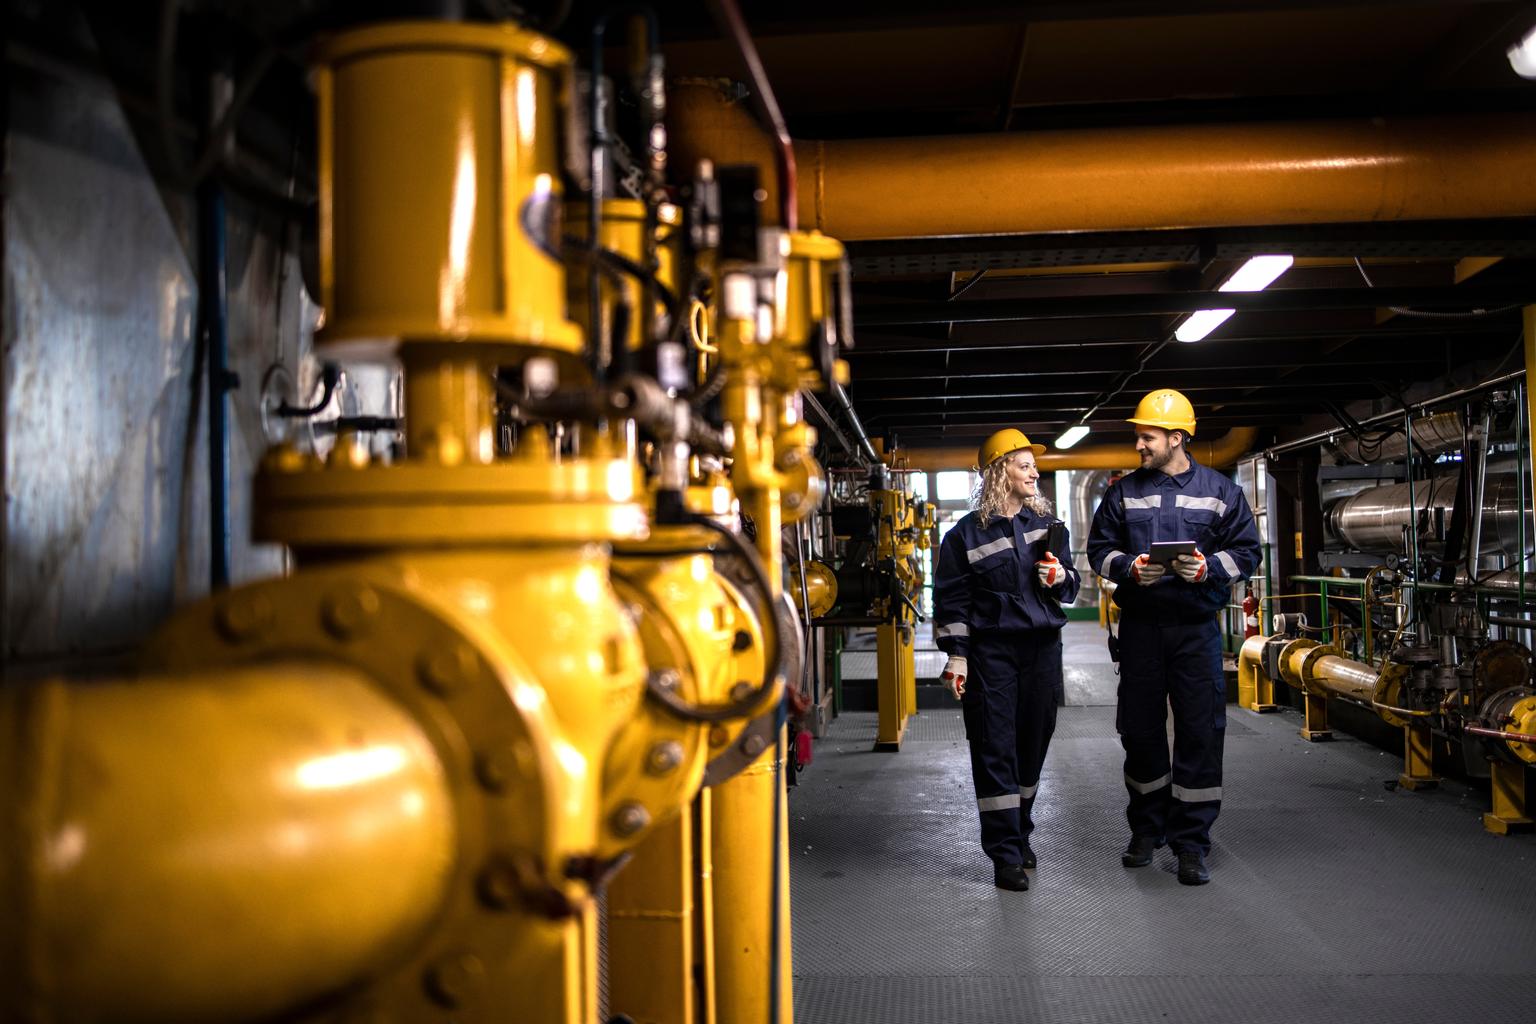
(1332, 898)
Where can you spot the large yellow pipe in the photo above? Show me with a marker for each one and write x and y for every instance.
(1133, 179)
(1222, 451)
(206, 847)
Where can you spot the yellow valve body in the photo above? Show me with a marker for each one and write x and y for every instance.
(440, 186)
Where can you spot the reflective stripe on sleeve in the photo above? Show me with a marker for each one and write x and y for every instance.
(953, 629)
(1109, 560)
(1228, 563)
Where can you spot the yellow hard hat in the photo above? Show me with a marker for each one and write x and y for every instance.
(1003, 442)
(1165, 408)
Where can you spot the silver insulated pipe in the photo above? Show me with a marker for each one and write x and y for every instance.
(1435, 434)
(1374, 520)
(1083, 497)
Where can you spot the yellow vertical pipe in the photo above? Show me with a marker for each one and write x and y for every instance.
(651, 912)
(744, 854)
(704, 891)
(448, 417)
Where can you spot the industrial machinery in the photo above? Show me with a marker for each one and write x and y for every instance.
(878, 527)
(1424, 617)
(537, 658)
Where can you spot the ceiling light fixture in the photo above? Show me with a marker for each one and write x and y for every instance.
(1258, 273)
(1522, 56)
(1071, 436)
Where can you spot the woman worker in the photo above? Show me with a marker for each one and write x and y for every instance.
(997, 599)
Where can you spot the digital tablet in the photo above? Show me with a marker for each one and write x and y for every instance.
(1165, 551)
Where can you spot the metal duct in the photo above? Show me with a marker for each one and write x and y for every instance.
(1131, 178)
(1374, 520)
(1086, 490)
(1436, 434)
(1218, 453)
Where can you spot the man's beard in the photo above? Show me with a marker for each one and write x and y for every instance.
(1153, 460)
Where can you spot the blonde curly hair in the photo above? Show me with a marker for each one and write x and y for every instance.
(990, 496)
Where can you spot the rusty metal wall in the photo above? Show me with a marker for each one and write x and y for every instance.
(105, 433)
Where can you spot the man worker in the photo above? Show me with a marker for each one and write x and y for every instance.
(1170, 639)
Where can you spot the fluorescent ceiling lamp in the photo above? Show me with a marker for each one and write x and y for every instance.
(1253, 276)
(1257, 274)
(1522, 56)
(1072, 435)
(1202, 323)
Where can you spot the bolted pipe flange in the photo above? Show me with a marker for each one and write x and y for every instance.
(446, 671)
(629, 819)
(454, 979)
(666, 679)
(497, 886)
(754, 745)
(349, 612)
(497, 768)
(664, 757)
(243, 615)
(741, 691)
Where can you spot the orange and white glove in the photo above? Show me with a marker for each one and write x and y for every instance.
(1191, 568)
(1145, 571)
(1050, 570)
(953, 676)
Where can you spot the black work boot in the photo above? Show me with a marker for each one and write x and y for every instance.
(1010, 876)
(1192, 868)
(1029, 855)
(1139, 853)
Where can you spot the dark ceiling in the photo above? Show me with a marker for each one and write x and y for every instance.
(1061, 324)
(1067, 323)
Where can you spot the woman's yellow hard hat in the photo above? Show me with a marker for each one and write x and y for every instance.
(1003, 442)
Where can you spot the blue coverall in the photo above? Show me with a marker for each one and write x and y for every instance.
(1170, 642)
(989, 608)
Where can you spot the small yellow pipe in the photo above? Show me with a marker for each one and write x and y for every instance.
(206, 847)
(1221, 451)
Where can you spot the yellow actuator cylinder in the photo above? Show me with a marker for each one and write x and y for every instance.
(440, 186)
(212, 847)
(623, 234)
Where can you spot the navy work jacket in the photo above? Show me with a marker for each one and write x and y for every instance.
(1199, 504)
(986, 580)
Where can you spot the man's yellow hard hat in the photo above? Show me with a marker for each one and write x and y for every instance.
(1165, 408)
(1003, 442)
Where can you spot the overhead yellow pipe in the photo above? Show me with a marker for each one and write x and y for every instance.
(1218, 452)
(228, 846)
(1133, 178)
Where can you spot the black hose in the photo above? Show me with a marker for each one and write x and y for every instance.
(773, 643)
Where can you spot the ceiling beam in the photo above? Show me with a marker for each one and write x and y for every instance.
(1282, 300)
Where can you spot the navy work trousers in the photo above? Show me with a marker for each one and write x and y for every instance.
(1165, 662)
(1010, 714)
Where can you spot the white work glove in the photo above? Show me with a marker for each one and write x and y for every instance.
(1050, 570)
(1145, 571)
(953, 676)
(1191, 568)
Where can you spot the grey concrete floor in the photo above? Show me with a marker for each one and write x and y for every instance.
(1333, 898)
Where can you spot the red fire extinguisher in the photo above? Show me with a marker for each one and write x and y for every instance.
(1250, 613)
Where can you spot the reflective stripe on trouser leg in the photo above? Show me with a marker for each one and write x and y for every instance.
(1141, 716)
(1197, 690)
